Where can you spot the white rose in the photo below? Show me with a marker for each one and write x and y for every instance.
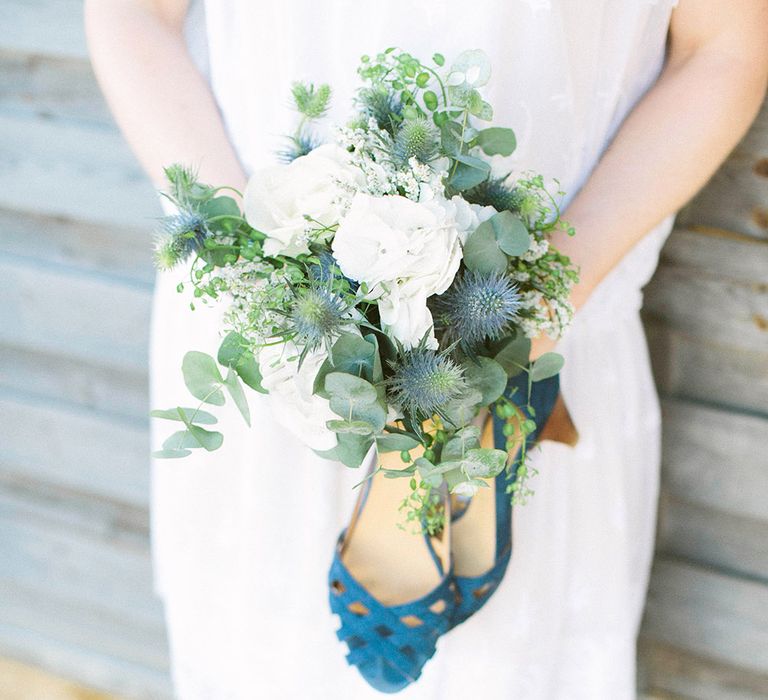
(278, 197)
(405, 252)
(295, 407)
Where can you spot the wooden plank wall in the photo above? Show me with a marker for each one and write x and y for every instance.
(75, 221)
(705, 632)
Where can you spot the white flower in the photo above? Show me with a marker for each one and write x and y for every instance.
(404, 252)
(278, 198)
(295, 407)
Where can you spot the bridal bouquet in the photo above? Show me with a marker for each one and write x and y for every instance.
(381, 287)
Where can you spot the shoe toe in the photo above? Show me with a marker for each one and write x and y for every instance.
(382, 676)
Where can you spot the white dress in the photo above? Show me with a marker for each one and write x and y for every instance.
(243, 537)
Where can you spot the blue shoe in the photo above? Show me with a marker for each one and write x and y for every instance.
(389, 641)
(472, 592)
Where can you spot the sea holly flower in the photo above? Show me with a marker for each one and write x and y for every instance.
(181, 235)
(424, 381)
(477, 307)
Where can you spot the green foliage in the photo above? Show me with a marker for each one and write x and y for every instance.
(185, 415)
(311, 102)
(546, 366)
(202, 377)
(496, 141)
(487, 377)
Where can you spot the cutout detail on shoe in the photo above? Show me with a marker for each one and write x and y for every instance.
(482, 591)
(338, 587)
(438, 606)
(411, 621)
(358, 608)
(383, 631)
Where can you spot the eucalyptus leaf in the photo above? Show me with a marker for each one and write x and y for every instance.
(482, 110)
(373, 414)
(482, 253)
(464, 176)
(461, 410)
(473, 66)
(511, 233)
(180, 440)
(191, 415)
(353, 427)
(350, 387)
(350, 449)
(513, 357)
(202, 377)
(497, 140)
(427, 472)
(220, 206)
(464, 440)
(235, 390)
(487, 376)
(234, 352)
(546, 366)
(209, 439)
(394, 442)
(170, 454)
(484, 462)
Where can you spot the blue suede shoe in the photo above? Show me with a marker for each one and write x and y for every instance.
(472, 592)
(389, 644)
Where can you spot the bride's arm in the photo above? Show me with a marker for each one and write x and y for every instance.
(676, 136)
(160, 101)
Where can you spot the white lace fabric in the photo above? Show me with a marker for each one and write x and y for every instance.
(243, 537)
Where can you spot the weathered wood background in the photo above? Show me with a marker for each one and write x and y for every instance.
(75, 221)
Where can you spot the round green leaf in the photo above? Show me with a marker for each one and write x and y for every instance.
(481, 251)
(488, 377)
(394, 442)
(548, 365)
(511, 233)
(497, 140)
(208, 439)
(353, 427)
(185, 415)
(513, 357)
(430, 100)
(484, 463)
(170, 454)
(202, 377)
(349, 387)
(234, 352)
(235, 390)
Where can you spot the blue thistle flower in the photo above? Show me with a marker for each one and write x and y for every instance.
(327, 271)
(297, 146)
(416, 138)
(424, 381)
(317, 313)
(180, 236)
(477, 307)
(495, 193)
(382, 104)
